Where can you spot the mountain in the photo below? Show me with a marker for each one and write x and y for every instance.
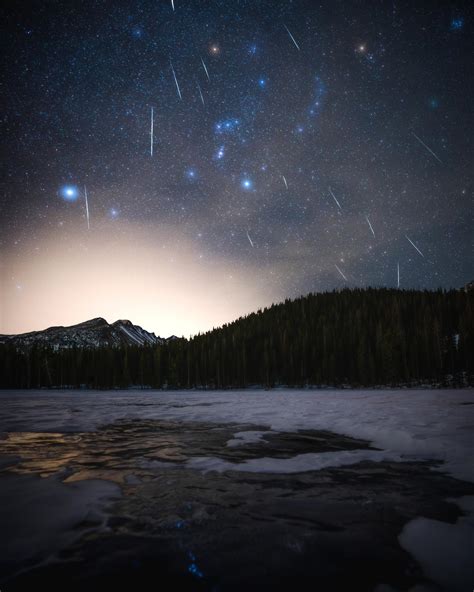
(94, 333)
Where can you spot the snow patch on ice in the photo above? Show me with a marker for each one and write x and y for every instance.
(248, 437)
(445, 551)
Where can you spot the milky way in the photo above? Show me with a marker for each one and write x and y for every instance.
(294, 123)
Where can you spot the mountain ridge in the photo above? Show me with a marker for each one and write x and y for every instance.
(93, 333)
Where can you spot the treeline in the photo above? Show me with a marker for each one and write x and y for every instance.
(349, 337)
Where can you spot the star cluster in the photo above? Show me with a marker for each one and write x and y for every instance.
(295, 121)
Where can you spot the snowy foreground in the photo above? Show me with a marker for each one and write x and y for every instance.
(402, 426)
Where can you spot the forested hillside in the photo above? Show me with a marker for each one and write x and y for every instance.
(350, 337)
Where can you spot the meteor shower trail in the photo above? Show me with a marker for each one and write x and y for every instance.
(412, 243)
(340, 272)
(151, 132)
(176, 81)
(292, 38)
(370, 225)
(205, 69)
(427, 148)
(335, 198)
(87, 208)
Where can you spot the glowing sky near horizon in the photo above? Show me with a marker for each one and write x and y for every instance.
(160, 281)
(280, 127)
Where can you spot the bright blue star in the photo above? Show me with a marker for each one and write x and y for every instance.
(262, 83)
(246, 184)
(457, 24)
(113, 213)
(191, 174)
(69, 192)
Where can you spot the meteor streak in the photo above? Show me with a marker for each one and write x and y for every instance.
(200, 92)
(205, 70)
(413, 244)
(87, 208)
(370, 225)
(340, 272)
(335, 199)
(176, 81)
(292, 38)
(151, 132)
(427, 147)
(250, 240)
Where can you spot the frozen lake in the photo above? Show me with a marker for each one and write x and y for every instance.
(220, 489)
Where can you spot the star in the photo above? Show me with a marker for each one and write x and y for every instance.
(246, 184)
(457, 24)
(191, 174)
(137, 32)
(69, 192)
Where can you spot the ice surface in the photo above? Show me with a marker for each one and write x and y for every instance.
(38, 516)
(402, 424)
(419, 424)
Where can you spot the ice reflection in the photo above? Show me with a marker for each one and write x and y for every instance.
(111, 453)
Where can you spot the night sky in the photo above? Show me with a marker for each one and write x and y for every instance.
(297, 146)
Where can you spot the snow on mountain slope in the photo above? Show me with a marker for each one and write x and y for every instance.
(93, 333)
